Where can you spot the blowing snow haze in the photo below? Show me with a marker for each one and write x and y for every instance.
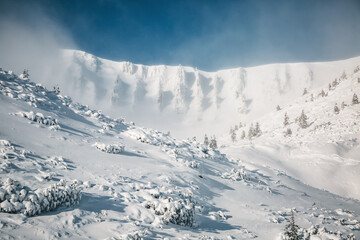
(179, 119)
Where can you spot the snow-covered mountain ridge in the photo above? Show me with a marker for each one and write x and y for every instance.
(176, 98)
(141, 183)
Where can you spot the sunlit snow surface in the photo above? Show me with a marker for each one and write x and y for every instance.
(141, 183)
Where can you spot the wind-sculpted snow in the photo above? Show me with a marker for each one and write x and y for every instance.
(156, 187)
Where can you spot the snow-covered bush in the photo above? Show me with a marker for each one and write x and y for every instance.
(18, 199)
(179, 212)
(235, 175)
(39, 118)
(110, 148)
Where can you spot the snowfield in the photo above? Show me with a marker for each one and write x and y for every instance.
(68, 171)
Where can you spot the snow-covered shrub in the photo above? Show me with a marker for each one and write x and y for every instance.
(138, 235)
(179, 212)
(110, 148)
(39, 118)
(18, 199)
(235, 175)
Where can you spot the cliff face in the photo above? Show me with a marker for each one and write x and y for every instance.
(167, 97)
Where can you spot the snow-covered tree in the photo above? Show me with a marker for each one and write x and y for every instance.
(206, 140)
(303, 120)
(278, 108)
(213, 143)
(286, 120)
(329, 86)
(250, 132)
(233, 136)
(25, 73)
(243, 135)
(322, 93)
(343, 76)
(257, 131)
(291, 230)
(312, 97)
(305, 91)
(336, 109)
(56, 90)
(236, 128)
(335, 83)
(355, 99)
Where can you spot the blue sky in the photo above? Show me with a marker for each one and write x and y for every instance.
(210, 35)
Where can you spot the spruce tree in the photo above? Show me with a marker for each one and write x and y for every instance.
(251, 132)
(213, 143)
(278, 108)
(26, 73)
(233, 136)
(286, 120)
(303, 120)
(329, 86)
(206, 140)
(355, 99)
(305, 91)
(322, 93)
(336, 109)
(257, 131)
(243, 134)
(291, 230)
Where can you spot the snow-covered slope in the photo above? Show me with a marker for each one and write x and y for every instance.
(140, 183)
(325, 153)
(176, 98)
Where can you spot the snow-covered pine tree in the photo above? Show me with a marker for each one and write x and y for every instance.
(336, 109)
(291, 230)
(250, 132)
(322, 93)
(236, 128)
(329, 87)
(355, 99)
(56, 90)
(257, 131)
(243, 135)
(343, 76)
(25, 73)
(335, 83)
(303, 120)
(312, 97)
(305, 91)
(286, 120)
(213, 143)
(206, 140)
(233, 136)
(278, 108)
